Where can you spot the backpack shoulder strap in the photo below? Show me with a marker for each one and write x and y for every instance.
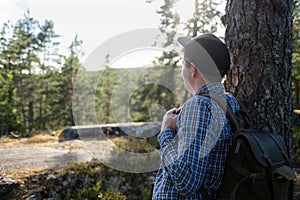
(232, 120)
(227, 108)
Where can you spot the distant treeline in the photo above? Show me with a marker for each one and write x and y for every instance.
(36, 90)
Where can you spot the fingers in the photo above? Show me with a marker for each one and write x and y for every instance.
(174, 111)
(169, 120)
(178, 110)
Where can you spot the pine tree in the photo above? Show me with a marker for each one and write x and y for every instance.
(49, 59)
(260, 44)
(104, 92)
(205, 18)
(8, 117)
(28, 55)
(9, 121)
(296, 54)
(64, 83)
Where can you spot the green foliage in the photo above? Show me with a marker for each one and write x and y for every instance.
(133, 144)
(150, 101)
(296, 55)
(90, 192)
(104, 93)
(8, 115)
(169, 20)
(146, 96)
(61, 99)
(91, 180)
(205, 19)
(38, 82)
(37, 91)
(146, 91)
(111, 195)
(296, 139)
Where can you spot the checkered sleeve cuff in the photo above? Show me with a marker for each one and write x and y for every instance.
(165, 137)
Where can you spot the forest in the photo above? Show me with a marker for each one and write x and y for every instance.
(37, 86)
(37, 82)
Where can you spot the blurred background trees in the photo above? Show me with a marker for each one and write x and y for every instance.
(37, 82)
(296, 54)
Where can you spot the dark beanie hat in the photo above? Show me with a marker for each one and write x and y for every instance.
(208, 53)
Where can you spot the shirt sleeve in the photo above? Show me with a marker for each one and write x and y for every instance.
(186, 160)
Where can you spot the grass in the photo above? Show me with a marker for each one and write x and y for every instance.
(36, 140)
(41, 139)
(89, 180)
(19, 175)
(132, 144)
(127, 143)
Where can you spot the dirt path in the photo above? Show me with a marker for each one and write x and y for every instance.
(38, 157)
(33, 157)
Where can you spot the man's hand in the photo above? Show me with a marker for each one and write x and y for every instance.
(169, 119)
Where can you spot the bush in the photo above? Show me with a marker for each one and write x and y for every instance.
(133, 144)
(91, 180)
(111, 195)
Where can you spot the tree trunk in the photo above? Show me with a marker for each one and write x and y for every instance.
(30, 116)
(259, 38)
(297, 93)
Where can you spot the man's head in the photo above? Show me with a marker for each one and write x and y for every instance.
(208, 53)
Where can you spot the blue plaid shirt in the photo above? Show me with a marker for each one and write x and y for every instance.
(194, 154)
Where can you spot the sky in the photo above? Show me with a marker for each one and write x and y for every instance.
(94, 21)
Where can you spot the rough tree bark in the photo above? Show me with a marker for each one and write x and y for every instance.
(259, 38)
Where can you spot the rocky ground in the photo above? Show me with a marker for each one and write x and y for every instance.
(22, 158)
(36, 168)
(30, 166)
(32, 157)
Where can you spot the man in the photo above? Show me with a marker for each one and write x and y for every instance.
(195, 142)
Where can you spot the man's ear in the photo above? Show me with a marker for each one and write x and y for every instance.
(194, 70)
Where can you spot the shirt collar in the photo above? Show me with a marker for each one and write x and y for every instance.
(216, 88)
